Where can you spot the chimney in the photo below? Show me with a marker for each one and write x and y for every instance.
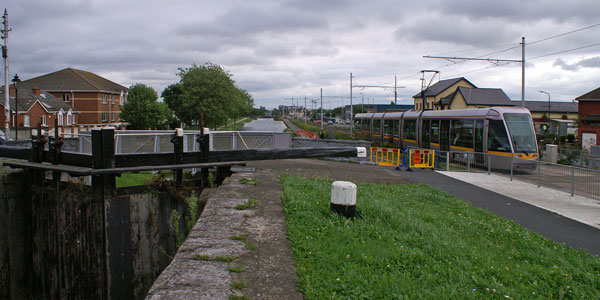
(36, 90)
(11, 90)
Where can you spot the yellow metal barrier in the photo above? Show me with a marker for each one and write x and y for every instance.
(419, 158)
(386, 156)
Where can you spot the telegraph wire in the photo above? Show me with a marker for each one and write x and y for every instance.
(563, 34)
(564, 51)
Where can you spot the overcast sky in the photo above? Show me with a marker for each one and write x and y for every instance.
(282, 49)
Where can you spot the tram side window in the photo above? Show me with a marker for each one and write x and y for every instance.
(497, 138)
(376, 126)
(396, 127)
(365, 124)
(435, 131)
(388, 127)
(461, 133)
(409, 131)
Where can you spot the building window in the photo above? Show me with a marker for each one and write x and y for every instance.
(43, 120)
(66, 97)
(104, 99)
(114, 99)
(112, 117)
(69, 118)
(60, 119)
(122, 98)
(26, 120)
(104, 117)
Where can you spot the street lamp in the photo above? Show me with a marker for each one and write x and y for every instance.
(16, 80)
(548, 104)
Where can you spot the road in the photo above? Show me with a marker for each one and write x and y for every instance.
(264, 125)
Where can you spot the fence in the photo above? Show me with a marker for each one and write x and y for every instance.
(574, 180)
(159, 141)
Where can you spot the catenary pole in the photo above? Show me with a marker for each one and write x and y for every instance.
(5, 31)
(321, 108)
(351, 121)
(522, 71)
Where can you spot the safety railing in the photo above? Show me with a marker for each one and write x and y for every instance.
(574, 180)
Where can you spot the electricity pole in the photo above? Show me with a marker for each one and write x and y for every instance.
(5, 57)
(351, 122)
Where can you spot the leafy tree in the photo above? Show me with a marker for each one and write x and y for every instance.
(207, 90)
(142, 109)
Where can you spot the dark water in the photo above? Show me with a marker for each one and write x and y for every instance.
(264, 125)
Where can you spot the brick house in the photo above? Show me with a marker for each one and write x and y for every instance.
(35, 107)
(559, 112)
(97, 100)
(589, 119)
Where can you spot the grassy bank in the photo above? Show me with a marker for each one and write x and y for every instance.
(415, 242)
(237, 125)
(317, 130)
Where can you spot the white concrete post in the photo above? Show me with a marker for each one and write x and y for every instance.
(343, 198)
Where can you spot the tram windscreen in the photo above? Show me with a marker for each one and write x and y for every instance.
(521, 132)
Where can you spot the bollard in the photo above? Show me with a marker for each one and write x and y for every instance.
(343, 198)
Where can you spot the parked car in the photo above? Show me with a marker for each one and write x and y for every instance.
(329, 122)
(2, 137)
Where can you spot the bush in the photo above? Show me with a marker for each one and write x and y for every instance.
(570, 138)
(562, 138)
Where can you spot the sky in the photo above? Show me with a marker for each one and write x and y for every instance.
(283, 49)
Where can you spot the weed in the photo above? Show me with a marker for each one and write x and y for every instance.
(175, 218)
(238, 285)
(212, 179)
(236, 269)
(216, 258)
(250, 246)
(249, 181)
(236, 297)
(239, 237)
(250, 203)
(193, 207)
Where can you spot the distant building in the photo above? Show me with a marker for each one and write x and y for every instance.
(97, 99)
(589, 119)
(440, 90)
(35, 107)
(563, 115)
(377, 108)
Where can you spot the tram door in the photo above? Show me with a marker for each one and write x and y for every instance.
(445, 135)
(425, 134)
(479, 158)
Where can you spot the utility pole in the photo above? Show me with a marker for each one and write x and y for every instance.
(321, 108)
(523, 72)
(425, 88)
(351, 122)
(305, 110)
(5, 57)
(395, 91)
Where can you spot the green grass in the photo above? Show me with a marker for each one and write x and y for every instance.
(237, 126)
(236, 297)
(250, 203)
(317, 130)
(416, 242)
(239, 237)
(134, 179)
(250, 246)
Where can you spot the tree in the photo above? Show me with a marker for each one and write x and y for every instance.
(142, 109)
(207, 91)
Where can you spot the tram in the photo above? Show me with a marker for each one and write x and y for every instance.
(503, 131)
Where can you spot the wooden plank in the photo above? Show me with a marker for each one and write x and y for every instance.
(247, 155)
(82, 171)
(141, 159)
(76, 159)
(15, 152)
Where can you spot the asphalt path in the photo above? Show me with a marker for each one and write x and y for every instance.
(549, 224)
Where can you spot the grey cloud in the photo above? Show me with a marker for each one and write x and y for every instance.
(593, 62)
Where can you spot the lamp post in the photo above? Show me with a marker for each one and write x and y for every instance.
(16, 80)
(548, 105)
